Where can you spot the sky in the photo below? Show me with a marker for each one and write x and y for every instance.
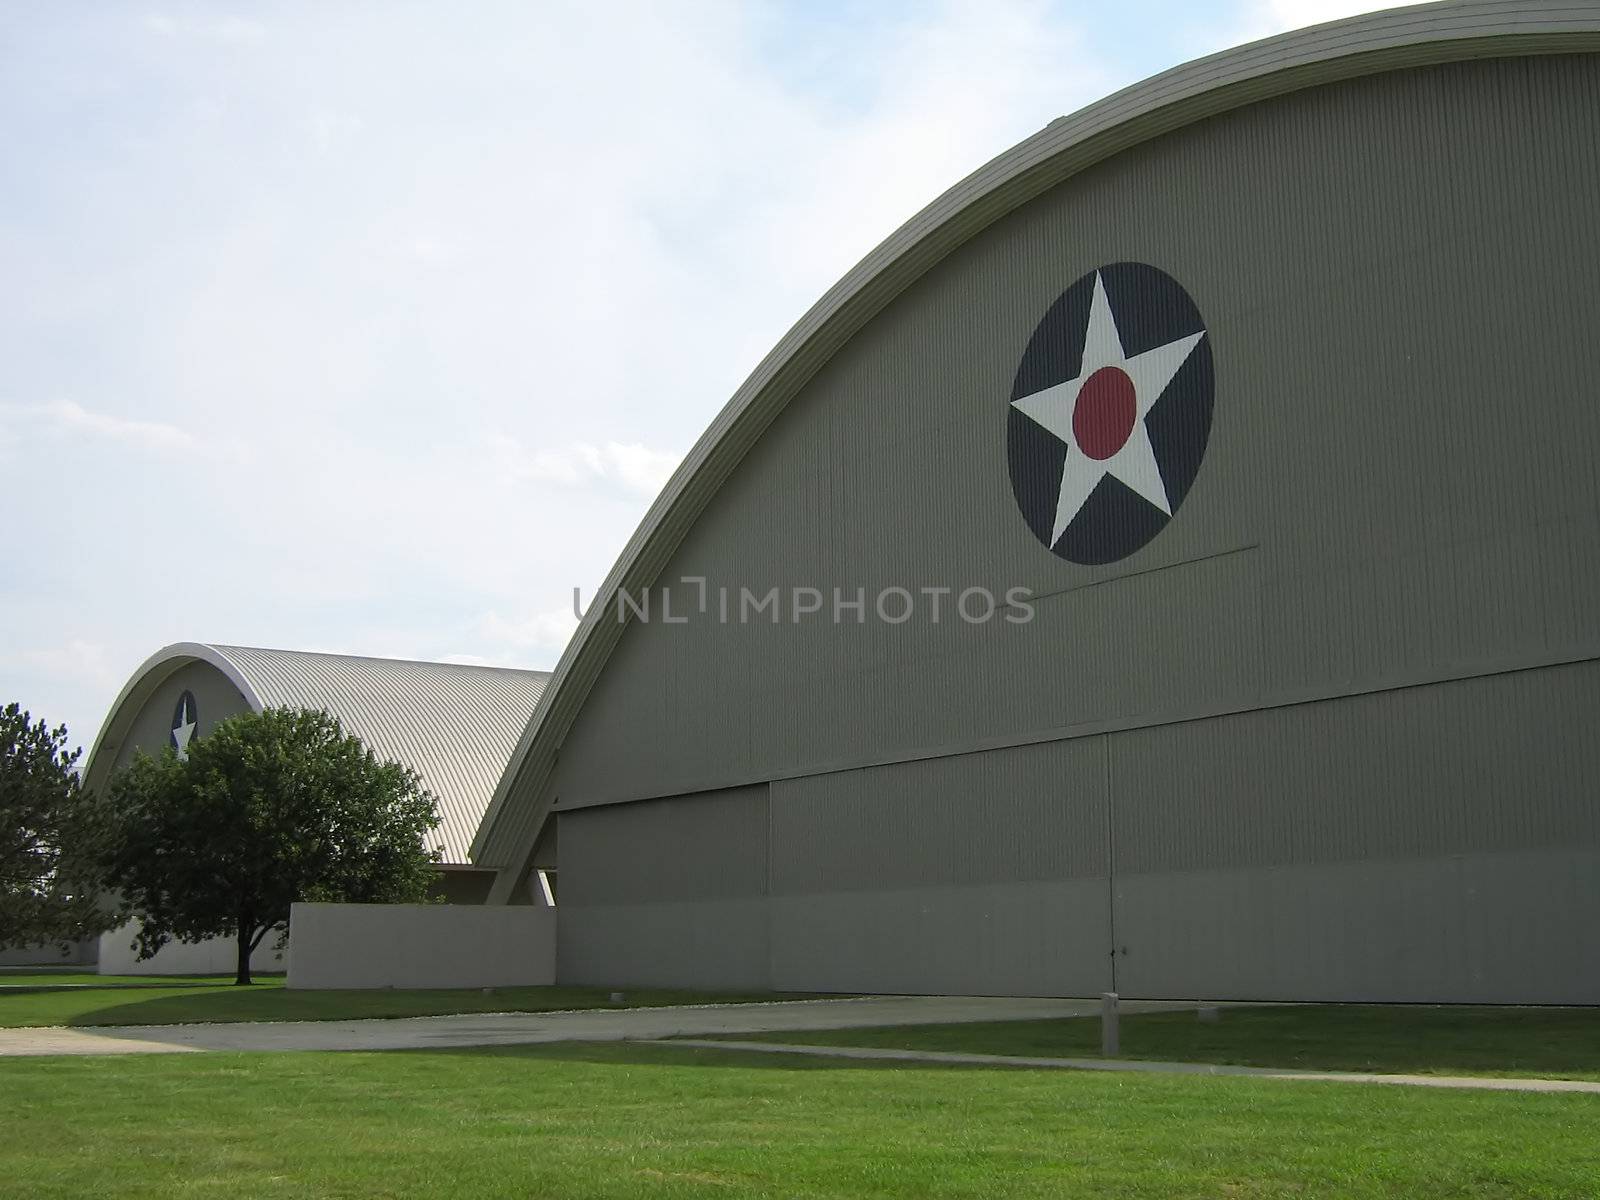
(375, 328)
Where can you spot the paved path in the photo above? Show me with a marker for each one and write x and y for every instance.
(504, 1029)
(692, 1025)
(1487, 1083)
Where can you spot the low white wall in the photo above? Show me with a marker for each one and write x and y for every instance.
(214, 956)
(421, 946)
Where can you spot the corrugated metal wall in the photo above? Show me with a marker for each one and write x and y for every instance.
(984, 872)
(1503, 762)
(1427, 844)
(455, 724)
(670, 893)
(981, 873)
(1346, 651)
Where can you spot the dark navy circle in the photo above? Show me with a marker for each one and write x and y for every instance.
(1150, 309)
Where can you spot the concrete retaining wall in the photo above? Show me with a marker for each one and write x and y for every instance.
(420, 946)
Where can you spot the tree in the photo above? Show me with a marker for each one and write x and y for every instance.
(43, 899)
(267, 809)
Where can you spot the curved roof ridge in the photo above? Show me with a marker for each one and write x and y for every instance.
(378, 658)
(1369, 44)
(455, 724)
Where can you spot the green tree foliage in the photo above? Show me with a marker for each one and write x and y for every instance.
(43, 899)
(268, 808)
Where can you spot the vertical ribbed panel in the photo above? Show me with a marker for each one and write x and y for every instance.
(710, 846)
(973, 873)
(1007, 816)
(669, 893)
(1500, 928)
(1399, 484)
(1505, 762)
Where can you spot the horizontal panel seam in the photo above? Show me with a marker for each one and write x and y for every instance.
(1075, 732)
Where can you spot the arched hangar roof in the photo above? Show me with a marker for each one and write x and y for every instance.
(1396, 39)
(455, 725)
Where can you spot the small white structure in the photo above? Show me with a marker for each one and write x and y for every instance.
(421, 946)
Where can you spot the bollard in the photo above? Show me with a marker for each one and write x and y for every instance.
(1110, 1040)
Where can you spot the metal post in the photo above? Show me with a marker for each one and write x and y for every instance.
(1110, 1039)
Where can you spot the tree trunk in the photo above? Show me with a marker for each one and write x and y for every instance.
(242, 976)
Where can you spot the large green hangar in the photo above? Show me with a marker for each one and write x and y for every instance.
(1168, 564)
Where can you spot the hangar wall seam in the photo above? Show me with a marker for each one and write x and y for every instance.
(1089, 730)
(955, 880)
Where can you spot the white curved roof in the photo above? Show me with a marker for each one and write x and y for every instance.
(1453, 31)
(455, 725)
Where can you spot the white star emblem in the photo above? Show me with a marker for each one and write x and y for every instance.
(183, 729)
(1100, 415)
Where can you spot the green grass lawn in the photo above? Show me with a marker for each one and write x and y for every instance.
(623, 1120)
(179, 1000)
(1559, 1043)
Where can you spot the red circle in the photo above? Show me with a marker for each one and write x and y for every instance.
(1106, 408)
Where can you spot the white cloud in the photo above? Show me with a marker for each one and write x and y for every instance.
(467, 660)
(1263, 18)
(233, 29)
(1293, 14)
(67, 418)
(544, 632)
(52, 682)
(332, 130)
(640, 469)
(460, 292)
(77, 659)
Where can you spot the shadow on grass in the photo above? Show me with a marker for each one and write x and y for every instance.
(261, 1002)
(650, 1054)
(1402, 1039)
(1424, 1039)
(116, 985)
(270, 1001)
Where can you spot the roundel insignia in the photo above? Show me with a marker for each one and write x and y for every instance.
(1110, 413)
(185, 718)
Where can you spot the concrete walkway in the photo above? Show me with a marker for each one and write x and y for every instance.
(694, 1025)
(1482, 1082)
(506, 1029)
